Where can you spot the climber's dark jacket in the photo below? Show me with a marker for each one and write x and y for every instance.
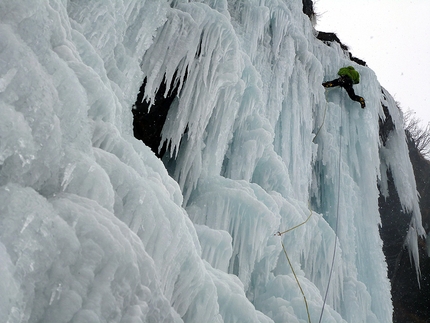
(348, 77)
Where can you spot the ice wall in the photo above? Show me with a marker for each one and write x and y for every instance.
(95, 228)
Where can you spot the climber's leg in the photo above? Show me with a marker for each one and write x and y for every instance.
(353, 96)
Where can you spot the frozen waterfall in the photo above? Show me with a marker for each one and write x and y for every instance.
(95, 228)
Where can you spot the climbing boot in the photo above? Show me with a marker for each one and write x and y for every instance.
(363, 104)
(327, 84)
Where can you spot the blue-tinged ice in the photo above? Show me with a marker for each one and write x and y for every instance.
(95, 228)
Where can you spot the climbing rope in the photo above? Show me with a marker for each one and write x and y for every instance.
(335, 230)
(337, 222)
(298, 283)
(291, 265)
(319, 129)
(298, 225)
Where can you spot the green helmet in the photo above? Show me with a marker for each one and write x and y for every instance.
(351, 73)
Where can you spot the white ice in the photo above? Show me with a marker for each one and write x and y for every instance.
(95, 228)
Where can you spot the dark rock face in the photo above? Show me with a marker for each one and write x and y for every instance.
(385, 126)
(308, 8)
(411, 300)
(148, 121)
(329, 38)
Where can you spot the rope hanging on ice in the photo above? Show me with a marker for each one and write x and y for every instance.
(336, 230)
(319, 129)
(337, 222)
(298, 225)
(291, 265)
(297, 280)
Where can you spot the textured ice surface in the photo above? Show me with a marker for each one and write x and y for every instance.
(95, 228)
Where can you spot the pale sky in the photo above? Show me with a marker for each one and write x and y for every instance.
(393, 37)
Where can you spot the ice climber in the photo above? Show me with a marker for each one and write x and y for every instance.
(348, 77)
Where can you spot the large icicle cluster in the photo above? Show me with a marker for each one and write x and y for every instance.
(95, 228)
